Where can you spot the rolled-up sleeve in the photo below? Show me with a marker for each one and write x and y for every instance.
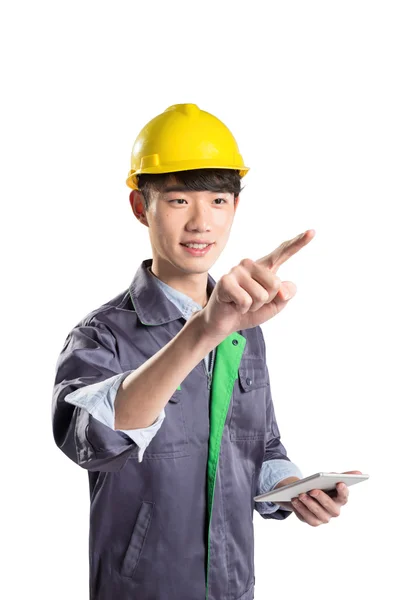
(272, 472)
(99, 400)
(88, 358)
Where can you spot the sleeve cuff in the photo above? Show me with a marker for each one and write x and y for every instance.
(143, 436)
(272, 472)
(98, 399)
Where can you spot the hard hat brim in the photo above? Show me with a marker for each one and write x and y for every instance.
(131, 181)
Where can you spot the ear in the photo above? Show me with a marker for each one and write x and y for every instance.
(136, 201)
(236, 203)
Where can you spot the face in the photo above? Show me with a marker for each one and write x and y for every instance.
(177, 216)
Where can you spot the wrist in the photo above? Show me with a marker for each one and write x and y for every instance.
(286, 481)
(196, 323)
(286, 505)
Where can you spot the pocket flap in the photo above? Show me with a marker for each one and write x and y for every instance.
(252, 374)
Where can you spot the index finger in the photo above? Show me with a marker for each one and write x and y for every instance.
(281, 254)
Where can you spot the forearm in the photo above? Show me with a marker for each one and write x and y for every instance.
(145, 392)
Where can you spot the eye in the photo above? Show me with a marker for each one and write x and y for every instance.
(181, 200)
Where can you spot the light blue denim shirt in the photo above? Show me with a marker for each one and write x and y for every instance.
(98, 399)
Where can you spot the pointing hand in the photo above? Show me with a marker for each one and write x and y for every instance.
(251, 293)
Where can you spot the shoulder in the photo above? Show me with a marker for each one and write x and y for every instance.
(112, 315)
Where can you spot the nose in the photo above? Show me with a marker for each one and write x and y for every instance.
(200, 217)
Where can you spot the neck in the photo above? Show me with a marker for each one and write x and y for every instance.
(193, 285)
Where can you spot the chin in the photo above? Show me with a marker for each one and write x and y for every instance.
(203, 266)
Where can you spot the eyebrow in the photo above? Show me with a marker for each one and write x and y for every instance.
(183, 188)
(175, 188)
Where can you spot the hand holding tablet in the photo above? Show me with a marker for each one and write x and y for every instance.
(319, 481)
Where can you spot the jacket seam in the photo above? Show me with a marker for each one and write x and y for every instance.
(98, 311)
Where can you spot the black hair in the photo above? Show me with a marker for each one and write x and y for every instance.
(196, 180)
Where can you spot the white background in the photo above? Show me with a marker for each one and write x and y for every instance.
(311, 93)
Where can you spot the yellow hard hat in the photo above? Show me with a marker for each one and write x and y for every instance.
(181, 138)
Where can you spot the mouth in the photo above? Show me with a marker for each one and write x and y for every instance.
(199, 250)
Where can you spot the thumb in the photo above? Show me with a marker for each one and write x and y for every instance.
(286, 292)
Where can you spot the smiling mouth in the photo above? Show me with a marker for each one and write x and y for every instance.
(197, 246)
(197, 251)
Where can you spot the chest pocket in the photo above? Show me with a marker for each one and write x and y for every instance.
(248, 416)
(171, 440)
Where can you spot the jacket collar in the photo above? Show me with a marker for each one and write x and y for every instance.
(150, 302)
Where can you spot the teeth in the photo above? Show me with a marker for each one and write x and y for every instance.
(200, 246)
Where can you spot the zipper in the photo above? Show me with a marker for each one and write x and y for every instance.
(213, 352)
(209, 373)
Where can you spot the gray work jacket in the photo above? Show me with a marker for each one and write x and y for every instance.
(179, 524)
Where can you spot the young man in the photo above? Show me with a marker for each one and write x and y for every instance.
(163, 395)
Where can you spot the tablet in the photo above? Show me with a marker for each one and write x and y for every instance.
(318, 481)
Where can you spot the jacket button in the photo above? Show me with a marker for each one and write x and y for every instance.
(235, 342)
(248, 381)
